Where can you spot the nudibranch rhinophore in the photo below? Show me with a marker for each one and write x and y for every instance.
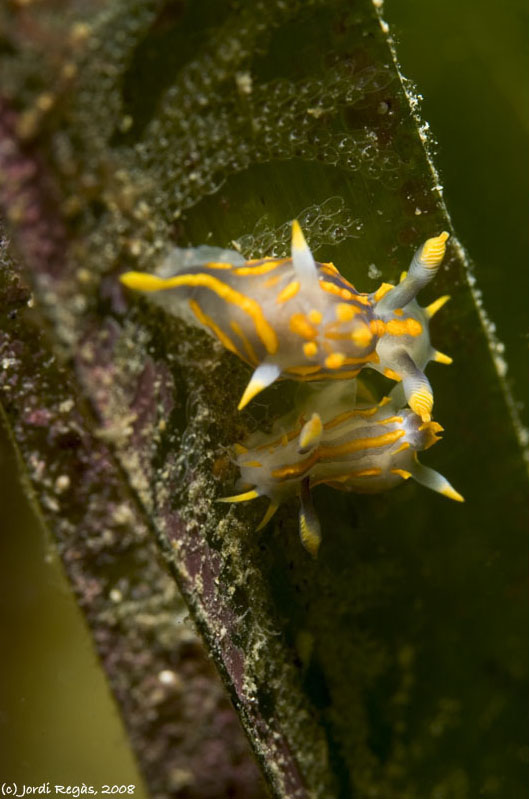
(331, 439)
(299, 319)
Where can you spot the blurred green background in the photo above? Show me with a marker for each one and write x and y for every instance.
(57, 718)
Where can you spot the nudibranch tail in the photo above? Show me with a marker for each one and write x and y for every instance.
(435, 481)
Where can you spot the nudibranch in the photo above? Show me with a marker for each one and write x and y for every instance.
(359, 447)
(299, 319)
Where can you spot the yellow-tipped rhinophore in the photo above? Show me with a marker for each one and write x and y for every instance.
(436, 305)
(421, 402)
(433, 250)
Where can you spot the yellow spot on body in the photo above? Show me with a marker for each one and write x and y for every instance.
(363, 299)
(315, 316)
(398, 311)
(401, 473)
(345, 312)
(435, 306)
(272, 281)
(288, 292)
(377, 327)
(362, 335)
(433, 250)
(310, 348)
(382, 291)
(246, 342)
(239, 449)
(252, 464)
(144, 282)
(392, 375)
(213, 326)
(404, 327)
(300, 325)
(334, 360)
(403, 276)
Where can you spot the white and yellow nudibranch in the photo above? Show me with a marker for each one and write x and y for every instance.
(299, 319)
(365, 448)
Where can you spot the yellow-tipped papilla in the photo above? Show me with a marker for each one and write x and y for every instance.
(311, 433)
(436, 305)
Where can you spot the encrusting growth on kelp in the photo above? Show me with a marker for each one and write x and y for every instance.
(294, 318)
(299, 319)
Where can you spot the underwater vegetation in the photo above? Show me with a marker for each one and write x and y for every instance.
(132, 130)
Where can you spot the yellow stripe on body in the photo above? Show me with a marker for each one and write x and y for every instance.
(246, 342)
(262, 269)
(401, 473)
(213, 326)
(144, 282)
(218, 265)
(391, 420)
(330, 376)
(331, 453)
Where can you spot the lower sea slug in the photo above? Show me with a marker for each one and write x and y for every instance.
(299, 319)
(365, 448)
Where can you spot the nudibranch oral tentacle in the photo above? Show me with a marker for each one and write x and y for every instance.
(299, 319)
(366, 448)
